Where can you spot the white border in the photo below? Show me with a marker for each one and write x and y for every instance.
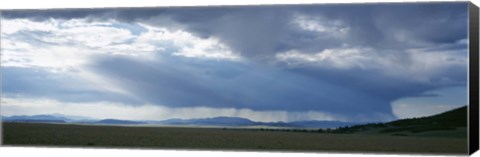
(82, 152)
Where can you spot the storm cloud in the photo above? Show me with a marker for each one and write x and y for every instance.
(349, 60)
(259, 30)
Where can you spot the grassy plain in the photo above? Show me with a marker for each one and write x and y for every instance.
(34, 134)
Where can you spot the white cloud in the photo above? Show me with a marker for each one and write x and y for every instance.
(90, 36)
(343, 58)
(188, 45)
(62, 45)
(414, 110)
(101, 110)
(440, 100)
(412, 64)
(57, 44)
(321, 26)
(66, 46)
(13, 26)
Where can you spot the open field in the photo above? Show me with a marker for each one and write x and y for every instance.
(23, 134)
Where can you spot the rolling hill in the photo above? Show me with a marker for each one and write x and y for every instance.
(452, 123)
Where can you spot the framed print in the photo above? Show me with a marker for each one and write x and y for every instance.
(390, 78)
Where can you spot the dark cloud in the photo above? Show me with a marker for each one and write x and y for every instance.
(41, 15)
(260, 31)
(386, 87)
(183, 82)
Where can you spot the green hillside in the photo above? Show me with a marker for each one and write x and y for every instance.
(452, 123)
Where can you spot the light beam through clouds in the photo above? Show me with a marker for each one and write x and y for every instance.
(267, 63)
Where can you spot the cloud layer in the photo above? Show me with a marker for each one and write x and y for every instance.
(349, 61)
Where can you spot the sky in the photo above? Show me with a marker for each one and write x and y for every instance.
(342, 62)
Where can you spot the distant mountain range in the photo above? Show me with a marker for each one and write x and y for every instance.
(451, 123)
(116, 121)
(36, 118)
(215, 121)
